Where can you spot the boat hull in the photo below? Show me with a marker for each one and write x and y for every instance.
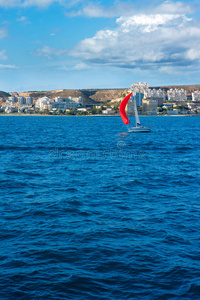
(139, 129)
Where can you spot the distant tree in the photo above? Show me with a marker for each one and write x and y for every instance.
(72, 112)
(82, 113)
(94, 110)
(47, 112)
(164, 111)
(99, 111)
(116, 108)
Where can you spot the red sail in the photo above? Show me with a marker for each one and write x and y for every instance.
(122, 109)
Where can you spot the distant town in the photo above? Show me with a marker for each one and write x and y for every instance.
(150, 101)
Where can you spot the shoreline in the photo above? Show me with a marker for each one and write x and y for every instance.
(117, 115)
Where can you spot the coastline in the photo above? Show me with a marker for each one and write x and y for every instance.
(116, 115)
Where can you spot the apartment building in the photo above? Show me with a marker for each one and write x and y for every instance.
(150, 106)
(196, 96)
(176, 95)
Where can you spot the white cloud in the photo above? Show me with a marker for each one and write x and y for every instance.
(3, 33)
(22, 19)
(49, 53)
(81, 66)
(149, 22)
(170, 7)
(128, 8)
(193, 54)
(9, 3)
(68, 66)
(55, 31)
(39, 3)
(95, 10)
(3, 55)
(8, 66)
(162, 38)
(145, 41)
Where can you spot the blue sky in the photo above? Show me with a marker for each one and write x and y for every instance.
(75, 44)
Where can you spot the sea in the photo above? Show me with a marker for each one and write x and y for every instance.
(90, 211)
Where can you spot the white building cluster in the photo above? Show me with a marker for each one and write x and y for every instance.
(140, 87)
(176, 95)
(44, 103)
(196, 96)
(58, 103)
(20, 100)
(17, 104)
(153, 93)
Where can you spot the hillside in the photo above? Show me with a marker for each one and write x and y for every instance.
(4, 95)
(92, 96)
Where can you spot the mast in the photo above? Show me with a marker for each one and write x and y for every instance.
(137, 120)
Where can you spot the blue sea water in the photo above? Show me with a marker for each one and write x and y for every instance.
(89, 211)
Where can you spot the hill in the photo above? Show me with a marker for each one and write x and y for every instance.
(4, 95)
(92, 96)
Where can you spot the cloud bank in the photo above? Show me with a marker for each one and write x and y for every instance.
(165, 37)
(144, 41)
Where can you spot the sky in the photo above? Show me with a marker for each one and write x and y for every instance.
(75, 44)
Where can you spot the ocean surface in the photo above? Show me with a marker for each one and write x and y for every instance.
(89, 211)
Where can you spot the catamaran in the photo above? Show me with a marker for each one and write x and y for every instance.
(138, 127)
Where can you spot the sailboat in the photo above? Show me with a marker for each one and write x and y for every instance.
(138, 127)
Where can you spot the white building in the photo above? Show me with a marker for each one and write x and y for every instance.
(108, 111)
(150, 106)
(140, 87)
(29, 100)
(153, 93)
(82, 109)
(58, 99)
(21, 100)
(78, 100)
(40, 103)
(10, 109)
(196, 96)
(67, 103)
(176, 95)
